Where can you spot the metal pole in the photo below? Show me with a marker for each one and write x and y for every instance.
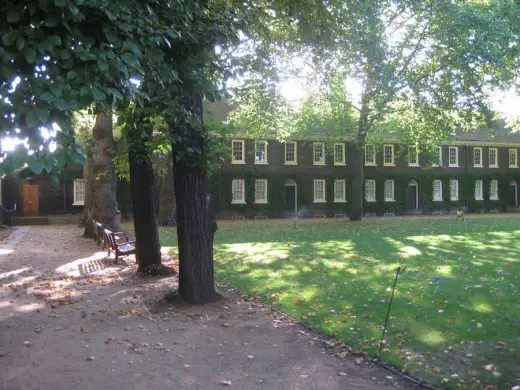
(388, 313)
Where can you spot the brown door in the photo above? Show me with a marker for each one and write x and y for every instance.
(31, 199)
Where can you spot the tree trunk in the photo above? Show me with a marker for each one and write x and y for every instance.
(167, 195)
(194, 215)
(194, 231)
(358, 178)
(86, 218)
(142, 185)
(101, 184)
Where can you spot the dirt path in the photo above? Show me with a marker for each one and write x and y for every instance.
(71, 319)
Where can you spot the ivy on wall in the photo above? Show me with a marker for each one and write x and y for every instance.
(221, 185)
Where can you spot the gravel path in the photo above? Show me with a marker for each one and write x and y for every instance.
(71, 319)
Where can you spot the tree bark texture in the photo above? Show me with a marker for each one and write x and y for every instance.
(142, 186)
(101, 177)
(358, 193)
(194, 214)
(167, 195)
(194, 230)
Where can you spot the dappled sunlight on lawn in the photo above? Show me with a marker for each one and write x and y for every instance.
(453, 304)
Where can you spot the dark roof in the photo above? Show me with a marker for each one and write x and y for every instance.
(499, 134)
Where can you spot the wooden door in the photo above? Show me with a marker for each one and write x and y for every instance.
(412, 197)
(30, 199)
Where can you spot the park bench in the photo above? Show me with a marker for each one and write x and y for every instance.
(118, 244)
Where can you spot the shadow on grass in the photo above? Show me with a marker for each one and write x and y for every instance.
(454, 311)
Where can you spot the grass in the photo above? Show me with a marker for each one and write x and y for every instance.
(455, 320)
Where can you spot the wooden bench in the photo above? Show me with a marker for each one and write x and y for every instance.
(238, 218)
(340, 216)
(118, 244)
(98, 233)
(389, 215)
(320, 216)
(260, 217)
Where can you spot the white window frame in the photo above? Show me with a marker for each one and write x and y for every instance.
(389, 195)
(242, 183)
(392, 155)
(479, 164)
(343, 161)
(493, 189)
(373, 162)
(479, 185)
(243, 159)
(439, 152)
(370, 184)
(437, 196)
(454, 190)
(343, 196)
(495, 165)
(289, 162)
(264, 161)
(257, 182)
(322, 199)
(316, 145)
(456, 163)
(413, 150)
(515, 164)
(77, 201)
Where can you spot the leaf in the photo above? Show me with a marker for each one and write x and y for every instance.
(54, 40)
(60, 3)
(36, 166)
(20, 43)
(98, 94)
(129, 59)
(30, 55)
(13, 16)
(56, 89)
(8, 38)
(43, 114)
(30, 119)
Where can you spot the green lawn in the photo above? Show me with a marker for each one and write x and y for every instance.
(456, 310)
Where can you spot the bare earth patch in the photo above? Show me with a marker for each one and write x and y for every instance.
(72, 319)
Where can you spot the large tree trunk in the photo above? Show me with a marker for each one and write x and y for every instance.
(167, 195)
(194, 214)
(358, 178)
(142, 185)
(101, 180)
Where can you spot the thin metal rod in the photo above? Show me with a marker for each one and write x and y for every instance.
(388, 313)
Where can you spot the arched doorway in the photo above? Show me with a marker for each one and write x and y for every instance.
(291, 197)
(412, 196)
(513, 187)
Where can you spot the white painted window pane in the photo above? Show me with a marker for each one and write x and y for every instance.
(477, 156)
(453, 155)
(238, 150)
(339, 190)
(370, 157)
(493, 190)
(339, 153)
(413, 155)
(319, 190)
(79, 192)
(513, 157)
(261, 191)
(319, 155)
(238, 191)
(261, 151)
(478, 190)
(454, 190)
(370, 190)
(389, 154)
(389, 190)
(437, 190)
(493, 157)
(290, 152)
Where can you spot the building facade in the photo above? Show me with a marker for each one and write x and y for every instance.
(476, 172)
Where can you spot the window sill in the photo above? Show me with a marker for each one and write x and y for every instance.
(260, 201)
(290, 163)
(370, 164)
(414, 165)
(513, 166)
(389, 200)
(437, 200)
(493, 166)
(238, 202)
(318, 163)
(454, 200)
(478, 166)
(238, 162)
(319, 201)
(453, 166)
(389, 165)
(340, 201)
(479, 199)
(495, 199)
(78, 204)
(336, 164)
(370, 200)
(260, 162)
